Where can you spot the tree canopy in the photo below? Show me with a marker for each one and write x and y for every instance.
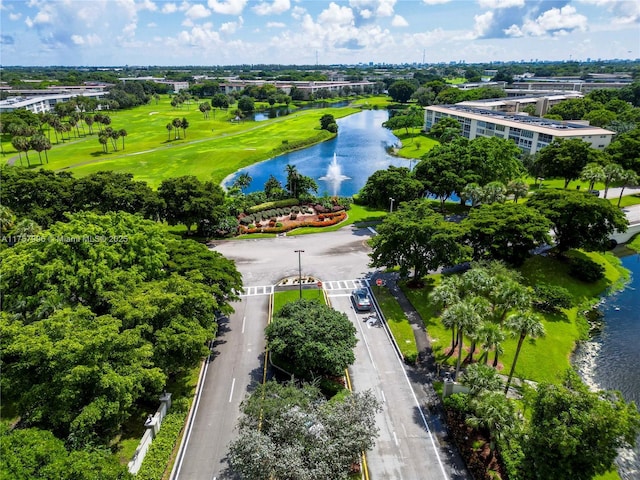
(415, 238)
(395, 182)
(506, 231)
(401, 91)
(566, 158)
(301, 434)
(314, 339)
(579, 220)
(576, 433)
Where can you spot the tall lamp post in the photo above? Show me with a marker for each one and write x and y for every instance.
(299, 270)
(391, 199)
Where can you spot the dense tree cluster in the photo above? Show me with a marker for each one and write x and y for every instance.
(98, 312)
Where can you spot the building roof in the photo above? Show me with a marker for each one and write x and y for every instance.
(536, 124)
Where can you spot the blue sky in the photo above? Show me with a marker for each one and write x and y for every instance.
(223, 32)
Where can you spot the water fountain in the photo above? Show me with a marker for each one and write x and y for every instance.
(334, 176)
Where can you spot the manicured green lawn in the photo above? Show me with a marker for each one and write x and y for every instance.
(280, 299)
(397, 321)
(213, 148)
(545, 359)
(414, 144)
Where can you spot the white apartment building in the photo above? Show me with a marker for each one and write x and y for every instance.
(44, 103)
(529, 133)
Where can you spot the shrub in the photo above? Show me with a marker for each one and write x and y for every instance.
(157, 458)
(251, 226)
(293, 216)
(332, 127)
(551, 298)
(278, 224)
(585, 269)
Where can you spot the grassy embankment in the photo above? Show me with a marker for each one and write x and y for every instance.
(213, 148)
(544, 359)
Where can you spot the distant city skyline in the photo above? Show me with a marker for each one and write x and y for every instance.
(306, 32)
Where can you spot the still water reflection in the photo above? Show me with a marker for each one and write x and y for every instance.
(340, 166)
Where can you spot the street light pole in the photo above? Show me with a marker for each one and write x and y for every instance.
(299, 270)
(391, 207)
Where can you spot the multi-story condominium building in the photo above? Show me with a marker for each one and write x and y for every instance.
(529, 133)
(308, 88)
(43, 103)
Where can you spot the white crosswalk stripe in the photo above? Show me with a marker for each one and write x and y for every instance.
(332, 286)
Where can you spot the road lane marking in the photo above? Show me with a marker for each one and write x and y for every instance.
(195, 412)
(244, 320)
(366, 344)
(395, 438)
(231, 393)
(384, 400)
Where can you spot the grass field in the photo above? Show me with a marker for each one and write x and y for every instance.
(280, 299)
(544, 359)
(212, 149)
(397, 321)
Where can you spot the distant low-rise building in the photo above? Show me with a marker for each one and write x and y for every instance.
(541, 102)
(529, 133)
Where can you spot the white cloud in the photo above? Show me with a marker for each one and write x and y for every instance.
(275, 8)
(497, 4)
(627, 11)
(385, 9)
(147, 5)
(227, 7)
(229, 28)
(197, 11)
(482, 24)
(366, 13)
(336, 15)
(187, 22)
(15, 16)
(399, 21)
(152, 25)
(436, 2)
(555, 20)
(169, 8)
(298, 12)
(90, 40)
(276, 25)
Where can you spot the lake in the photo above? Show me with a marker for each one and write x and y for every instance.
(340, 166)
(611, 359)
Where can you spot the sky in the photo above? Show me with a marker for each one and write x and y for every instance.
(309, 32)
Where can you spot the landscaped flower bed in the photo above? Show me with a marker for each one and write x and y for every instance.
(289, 221)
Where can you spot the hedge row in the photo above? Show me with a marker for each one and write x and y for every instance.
(287, 202)
(157, 459)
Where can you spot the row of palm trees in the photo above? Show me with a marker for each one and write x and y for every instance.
(175, 125)
(608, 174)
(485, 304)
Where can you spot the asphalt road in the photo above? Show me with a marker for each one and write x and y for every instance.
(405, 450)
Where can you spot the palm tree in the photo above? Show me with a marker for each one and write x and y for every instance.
(88, 119)
(473, 192)
(523, 324)
(243, 181)
(21, 144)
(123, 133)
(492, 337)
(103, 139)
(592, 173)
(508, 295)
(480, 378)
(628, 178)
(169, 128)
(466, 320)
(292, 179)
(177, 124)
(612, 173)
(518, 189)
(494, 192)
(184, 124)
(493, 412)
(38, 143)
(482, 310)
(445, 295)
